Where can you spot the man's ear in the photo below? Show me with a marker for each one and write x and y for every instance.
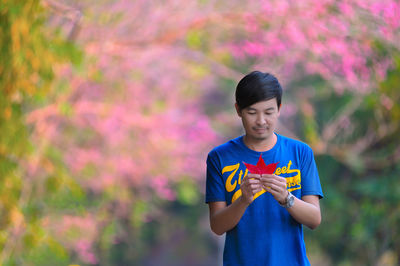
(279, 110)
(238, 111)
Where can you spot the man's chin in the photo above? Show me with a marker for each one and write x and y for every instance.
(260, 137)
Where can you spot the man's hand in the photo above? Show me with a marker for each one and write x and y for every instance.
(250, 185)
(276, 185)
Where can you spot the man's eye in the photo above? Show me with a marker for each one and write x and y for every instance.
(251, 113)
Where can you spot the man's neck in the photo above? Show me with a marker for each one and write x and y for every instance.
(260, 145)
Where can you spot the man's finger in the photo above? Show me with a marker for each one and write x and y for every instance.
(272, 177)
(255, 191)
(253, 176)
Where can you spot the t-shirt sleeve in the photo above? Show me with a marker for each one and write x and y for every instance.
(310, 179)
(215, 189)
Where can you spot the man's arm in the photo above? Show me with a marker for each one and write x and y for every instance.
(306, 211)
(222, 217)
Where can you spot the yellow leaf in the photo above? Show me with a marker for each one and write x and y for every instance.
(7, 113)
(17, 218)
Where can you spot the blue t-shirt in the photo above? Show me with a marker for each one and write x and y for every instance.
(266, 234)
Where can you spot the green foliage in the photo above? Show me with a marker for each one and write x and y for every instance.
(29, 51)
(359, 172)
(47, 253)
(187, 192)
(194, 39)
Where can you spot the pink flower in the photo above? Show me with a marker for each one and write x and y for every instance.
(253, 48)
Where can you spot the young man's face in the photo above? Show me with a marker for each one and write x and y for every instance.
(260, 119)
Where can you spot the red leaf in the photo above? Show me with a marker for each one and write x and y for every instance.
(260, 168)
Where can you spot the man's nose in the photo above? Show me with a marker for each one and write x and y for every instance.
(260, 119)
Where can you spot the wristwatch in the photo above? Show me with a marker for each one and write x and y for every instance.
(289, 201)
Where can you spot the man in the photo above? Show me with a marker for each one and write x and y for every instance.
(262, 187)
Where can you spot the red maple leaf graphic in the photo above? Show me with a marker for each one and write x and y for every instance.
(260, 168)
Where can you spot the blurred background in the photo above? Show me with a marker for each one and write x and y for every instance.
(109, 108)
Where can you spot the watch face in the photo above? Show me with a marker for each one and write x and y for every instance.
(290, 201)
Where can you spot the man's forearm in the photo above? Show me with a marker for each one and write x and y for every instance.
(306, 213)
(226, 218)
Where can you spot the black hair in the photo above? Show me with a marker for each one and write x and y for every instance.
(257, 86)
